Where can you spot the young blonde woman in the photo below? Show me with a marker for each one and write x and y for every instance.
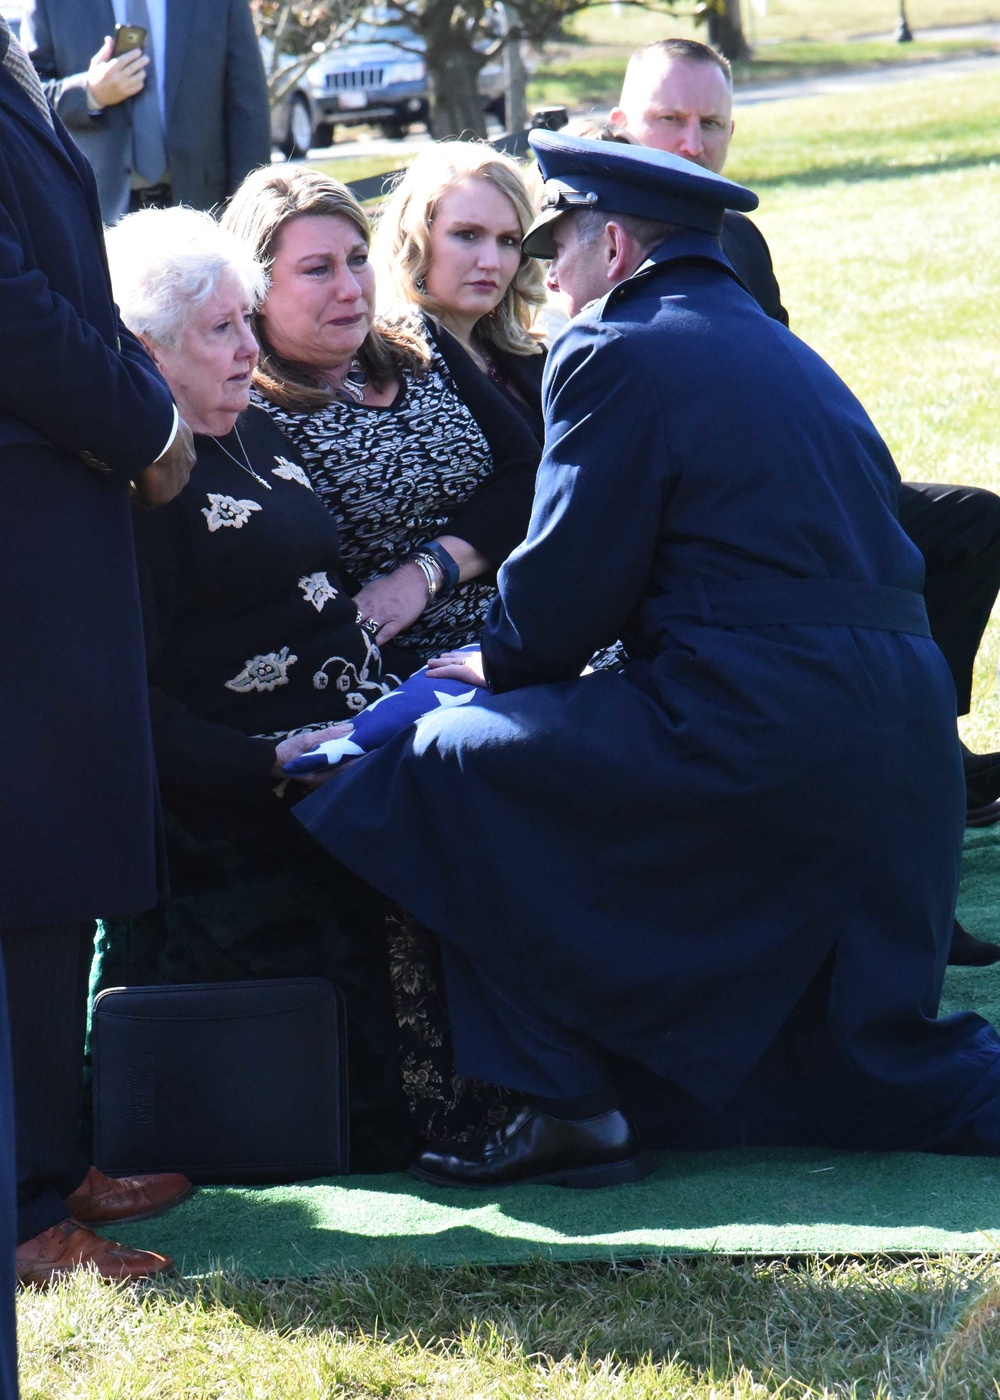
(448, 244)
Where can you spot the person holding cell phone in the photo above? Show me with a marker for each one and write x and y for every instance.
(118, 69)
(166, 98)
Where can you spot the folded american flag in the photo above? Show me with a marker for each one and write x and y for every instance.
(419, 695)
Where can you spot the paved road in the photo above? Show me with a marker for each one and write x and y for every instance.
(944, 33)
(854, 82)
(396, 151)
(352, 147)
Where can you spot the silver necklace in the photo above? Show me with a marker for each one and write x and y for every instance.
(355, 381)
(245, 464)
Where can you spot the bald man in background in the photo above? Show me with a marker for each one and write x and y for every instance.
(678, 97)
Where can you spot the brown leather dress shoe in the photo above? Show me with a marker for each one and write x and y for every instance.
(70, 1245)
(101, 1198)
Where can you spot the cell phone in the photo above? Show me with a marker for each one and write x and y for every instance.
(128, 37)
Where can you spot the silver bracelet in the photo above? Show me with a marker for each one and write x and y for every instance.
(432, 572)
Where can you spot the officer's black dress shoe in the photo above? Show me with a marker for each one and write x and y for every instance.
(534, 1147)
(967, 951)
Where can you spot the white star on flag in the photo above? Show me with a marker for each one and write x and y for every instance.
(418, 697)
(445, 701)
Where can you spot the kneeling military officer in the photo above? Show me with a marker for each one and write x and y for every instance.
(634, 867)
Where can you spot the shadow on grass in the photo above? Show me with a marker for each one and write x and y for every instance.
(855, 172)
(816, 1328)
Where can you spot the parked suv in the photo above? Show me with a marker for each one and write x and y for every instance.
(376, 75)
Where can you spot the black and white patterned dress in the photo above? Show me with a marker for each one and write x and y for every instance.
(393, 478)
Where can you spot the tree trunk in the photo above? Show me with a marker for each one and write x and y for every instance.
(725, 31)
(456, 109)
(515, 76)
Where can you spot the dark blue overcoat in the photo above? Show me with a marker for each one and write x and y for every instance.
(77, 808)
(767, 801)
(8, 1209)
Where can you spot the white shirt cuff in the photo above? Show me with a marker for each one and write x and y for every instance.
(169, 442)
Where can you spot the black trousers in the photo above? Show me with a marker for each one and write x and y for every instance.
(957, 530)
(8, 1214)
(48, 972)
(502, 1035)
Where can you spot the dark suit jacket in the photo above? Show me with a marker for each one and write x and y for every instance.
(746, 248)
(217, 119)
(78, 809)
(8, 1211)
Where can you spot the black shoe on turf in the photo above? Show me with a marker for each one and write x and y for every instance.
(533, 1147)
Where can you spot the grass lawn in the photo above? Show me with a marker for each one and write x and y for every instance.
(794, 38)
(784, 20)
(881, 212)
(348, 168)
(591, 76)
(707, 1329)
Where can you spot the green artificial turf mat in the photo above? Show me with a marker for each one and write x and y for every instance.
(736, 1202)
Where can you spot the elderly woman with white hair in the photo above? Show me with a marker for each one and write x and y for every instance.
(252, 632)
(253, 638)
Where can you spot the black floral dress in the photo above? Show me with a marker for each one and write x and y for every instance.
(252, 634)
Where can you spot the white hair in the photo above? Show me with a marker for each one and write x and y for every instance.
(166, 262)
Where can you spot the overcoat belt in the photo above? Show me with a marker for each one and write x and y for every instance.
(815, 602)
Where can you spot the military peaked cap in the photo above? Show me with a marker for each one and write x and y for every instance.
(620, 179)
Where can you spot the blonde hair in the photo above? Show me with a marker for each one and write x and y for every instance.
(267, 200)
(402, 245)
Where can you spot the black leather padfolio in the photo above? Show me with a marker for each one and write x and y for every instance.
(238, 1082)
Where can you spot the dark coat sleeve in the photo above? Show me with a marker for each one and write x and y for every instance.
(192, 755)
(569, 589)
(746, 248)
(248, 123)
(495, 518)
(58, 373)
